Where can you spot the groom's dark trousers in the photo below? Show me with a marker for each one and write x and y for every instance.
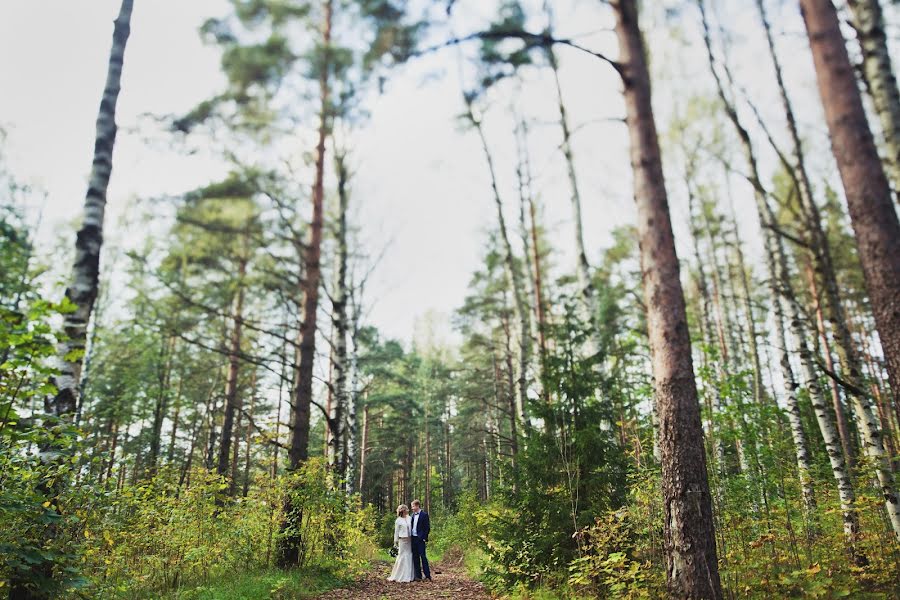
(419, 541)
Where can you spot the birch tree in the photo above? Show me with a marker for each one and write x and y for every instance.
(84, 278)
(878, 73)
(872, 214)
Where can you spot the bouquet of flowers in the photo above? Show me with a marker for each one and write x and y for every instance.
(393, 551)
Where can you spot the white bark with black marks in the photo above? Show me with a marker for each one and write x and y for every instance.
(84, 282)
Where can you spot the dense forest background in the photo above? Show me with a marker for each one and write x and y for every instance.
(203, 396)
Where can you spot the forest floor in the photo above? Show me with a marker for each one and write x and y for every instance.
(449, 581)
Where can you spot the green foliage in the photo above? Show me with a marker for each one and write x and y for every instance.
(154, 538)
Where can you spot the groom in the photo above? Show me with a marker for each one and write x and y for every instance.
(421, 527)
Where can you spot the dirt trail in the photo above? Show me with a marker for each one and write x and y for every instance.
(452, 582)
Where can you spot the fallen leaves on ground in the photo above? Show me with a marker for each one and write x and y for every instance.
(449, 581)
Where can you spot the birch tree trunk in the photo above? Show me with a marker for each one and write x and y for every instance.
(878, 72)
(691, 565)
(83, 282)
(84, 279)
(872, 214)
(715, 400)
(815, 234)
(353, 392)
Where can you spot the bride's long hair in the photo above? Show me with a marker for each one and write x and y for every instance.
(402, 510)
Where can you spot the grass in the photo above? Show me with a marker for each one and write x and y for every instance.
(272, 584)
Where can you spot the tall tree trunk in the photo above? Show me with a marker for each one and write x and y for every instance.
(539, 294)
(173, 435)
(868, 20)
(339, 321)
(872, 214)
(588, 295)
(235, 453)
(299, 450)
(233, 401)
(84, 278)
(839, 412)
(363, 447)
(715, 400)
(289, 545)
(162, 403)
(353, 392)
(691, 566)
(514, 275)
(247, 438)
(83, 282)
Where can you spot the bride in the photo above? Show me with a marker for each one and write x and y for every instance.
(403, 564)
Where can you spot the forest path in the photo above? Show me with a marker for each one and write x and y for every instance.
(449, 581)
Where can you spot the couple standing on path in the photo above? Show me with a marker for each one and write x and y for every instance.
(410, 538)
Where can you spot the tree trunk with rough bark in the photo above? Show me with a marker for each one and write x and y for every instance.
(233, 401)
(289, 544)
(691, 565)
(872, 214)
(339, 322)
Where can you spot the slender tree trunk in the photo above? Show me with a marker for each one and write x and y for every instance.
(816, 237)
(539, 295)
(235, 453)
(289, 544)
(512, 270)
(173, 436)
(691, 565)
(83, 285)
(583, 268)
(427, 458)
(363, 448)
(233, 401)
(247, 438)
(839, 412)
(84, 278)
(872, 214)
(715, 401)
(339, 321)
(299, 450)
(353, 395)
(878, 73)
(781, 287)
(162, 404)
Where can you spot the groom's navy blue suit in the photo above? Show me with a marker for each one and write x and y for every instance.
(421, 527)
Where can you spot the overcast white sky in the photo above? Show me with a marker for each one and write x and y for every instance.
(421, 182)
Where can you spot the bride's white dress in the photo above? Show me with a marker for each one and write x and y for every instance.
(403, 565)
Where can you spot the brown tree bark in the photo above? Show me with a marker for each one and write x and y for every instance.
(299, 449)
(289, 550)
(691, 565)
(363, 448)
(872, 213)
(340, 322)
(233, 402)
